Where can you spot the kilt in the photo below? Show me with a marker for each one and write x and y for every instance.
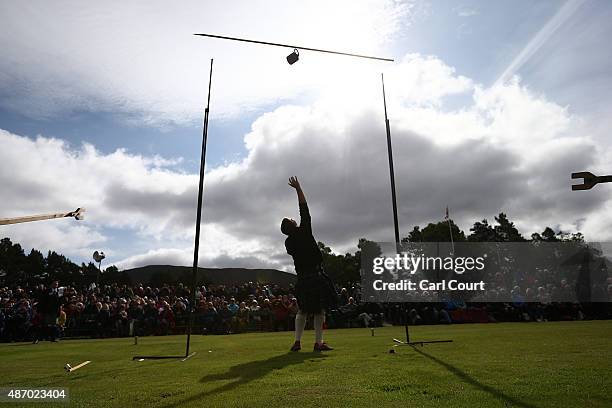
(50, 319)
(315, 291)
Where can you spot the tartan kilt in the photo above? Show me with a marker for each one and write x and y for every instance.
(315, 291)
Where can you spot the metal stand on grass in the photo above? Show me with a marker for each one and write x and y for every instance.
(291, 59)
(396, 225)
(192, 304)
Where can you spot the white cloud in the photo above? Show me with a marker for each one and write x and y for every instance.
(508, 150)
(425, 80)
(78, 239)
(466, 12)
(184, 257)
(565, 12)
(140, 59)
(161, 256)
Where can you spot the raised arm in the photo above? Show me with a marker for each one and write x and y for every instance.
(304, 213)
(293, 182)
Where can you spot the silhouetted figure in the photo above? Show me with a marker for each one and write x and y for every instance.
(583, 282)
(314, 290)
(49, 307)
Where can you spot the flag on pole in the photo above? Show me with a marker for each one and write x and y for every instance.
(450, 230)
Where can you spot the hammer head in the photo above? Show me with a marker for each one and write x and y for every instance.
(589, 180)
(79, 214)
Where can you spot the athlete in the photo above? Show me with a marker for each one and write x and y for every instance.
(314, 290)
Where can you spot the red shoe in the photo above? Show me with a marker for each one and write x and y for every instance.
(322, 347)
(296, 346)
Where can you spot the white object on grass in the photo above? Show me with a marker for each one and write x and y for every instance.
(76, 367)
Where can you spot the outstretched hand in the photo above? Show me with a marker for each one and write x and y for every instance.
(293, 182)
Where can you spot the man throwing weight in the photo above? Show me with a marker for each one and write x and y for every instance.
(314, 290)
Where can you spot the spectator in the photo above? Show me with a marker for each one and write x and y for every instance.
(243, 316)
(103, 320)
(225, 318)
(61, 321)
(281, 313)
(32, 313)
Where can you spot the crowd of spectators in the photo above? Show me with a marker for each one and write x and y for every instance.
(53, 311)
(582, 290)
(531, 301)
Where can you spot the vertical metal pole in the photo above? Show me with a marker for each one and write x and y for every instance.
(99, 272)
(192, 305)
(393, 196)
(450, 229)
(391, 171)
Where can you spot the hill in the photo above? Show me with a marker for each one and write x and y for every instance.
(153, 274)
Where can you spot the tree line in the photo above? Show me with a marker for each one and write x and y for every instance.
(17, 268)
(345, 269)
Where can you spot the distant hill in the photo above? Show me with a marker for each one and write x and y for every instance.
(153, 274)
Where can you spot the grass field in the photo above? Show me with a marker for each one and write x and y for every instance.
(565, 364)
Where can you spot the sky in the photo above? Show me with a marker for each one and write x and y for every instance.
(492, 105)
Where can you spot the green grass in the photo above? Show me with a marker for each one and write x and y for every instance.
(565, 364)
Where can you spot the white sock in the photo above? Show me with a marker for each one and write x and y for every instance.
(319, 319)
(300, 324)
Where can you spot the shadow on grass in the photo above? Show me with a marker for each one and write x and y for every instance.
(21, 343)
(244, 373)
(507, 399)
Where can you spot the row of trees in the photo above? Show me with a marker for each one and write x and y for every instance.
(344, 269)
(18, 268)
(504, 230)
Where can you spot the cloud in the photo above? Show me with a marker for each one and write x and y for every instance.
(425, 80)
(466, 12)
(141, 62)
(184, 257)
(55, 235)
(509, 149)
(161, 256)
(565, 12)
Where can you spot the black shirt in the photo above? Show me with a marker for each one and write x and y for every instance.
(302, 246)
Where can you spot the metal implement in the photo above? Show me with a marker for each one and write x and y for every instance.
(182, 358)
(391, 171)
(71, 369)
(294, 47)
(395, 221)
(589, 180)
(193, 300)
(421, 343)
(77, 214)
